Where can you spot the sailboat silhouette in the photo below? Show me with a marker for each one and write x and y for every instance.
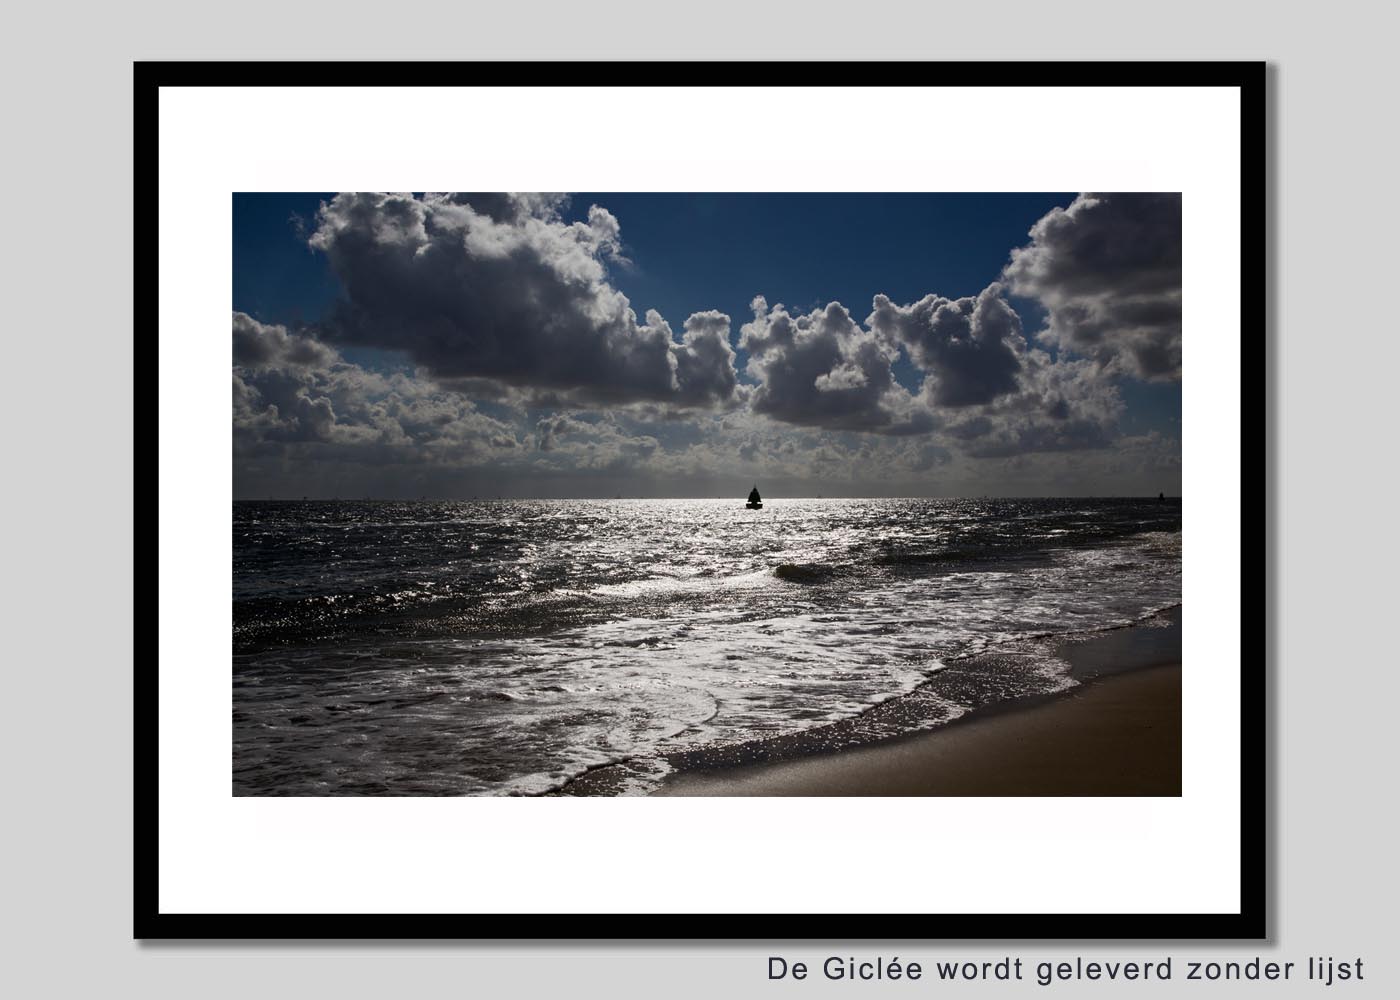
(755, 501)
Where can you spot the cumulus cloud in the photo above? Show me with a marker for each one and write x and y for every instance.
(549, 430)
(985, 390)
(970, 348)
(256, 345)
(499, 287)
(1058, 405)
(1108, 271)
(293, 395)
(993, 393)
(823, 369)
(497, 304)
(600, 444)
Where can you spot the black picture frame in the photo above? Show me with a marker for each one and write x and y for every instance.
(1250, 922)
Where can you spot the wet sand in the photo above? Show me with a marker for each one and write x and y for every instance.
(1119, 734)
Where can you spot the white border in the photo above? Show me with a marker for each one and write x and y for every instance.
(226, 854)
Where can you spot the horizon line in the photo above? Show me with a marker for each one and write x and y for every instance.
(737, 499)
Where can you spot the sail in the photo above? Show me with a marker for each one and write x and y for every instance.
(754, 497)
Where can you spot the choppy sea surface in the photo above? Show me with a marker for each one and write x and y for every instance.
(497, 647)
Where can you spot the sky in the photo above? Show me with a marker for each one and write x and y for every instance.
(600, 345)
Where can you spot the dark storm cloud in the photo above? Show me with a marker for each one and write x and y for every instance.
(500, 287)
(1108, 270)
(970, 348)
(822, 369)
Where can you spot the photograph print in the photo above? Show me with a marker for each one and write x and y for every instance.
(634, 494)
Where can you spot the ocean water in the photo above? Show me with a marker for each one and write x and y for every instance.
(498, 647)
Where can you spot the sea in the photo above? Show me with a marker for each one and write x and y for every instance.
(509, 646)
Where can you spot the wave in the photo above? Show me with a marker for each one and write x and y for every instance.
(807, 572)
(666, 585)
(956, 688)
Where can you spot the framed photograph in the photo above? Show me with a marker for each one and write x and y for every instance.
(622, 477)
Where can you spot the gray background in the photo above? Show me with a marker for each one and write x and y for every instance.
(67, 407)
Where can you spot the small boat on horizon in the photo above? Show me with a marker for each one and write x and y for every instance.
(755, 501)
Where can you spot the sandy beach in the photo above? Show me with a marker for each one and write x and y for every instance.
(1118, 733)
